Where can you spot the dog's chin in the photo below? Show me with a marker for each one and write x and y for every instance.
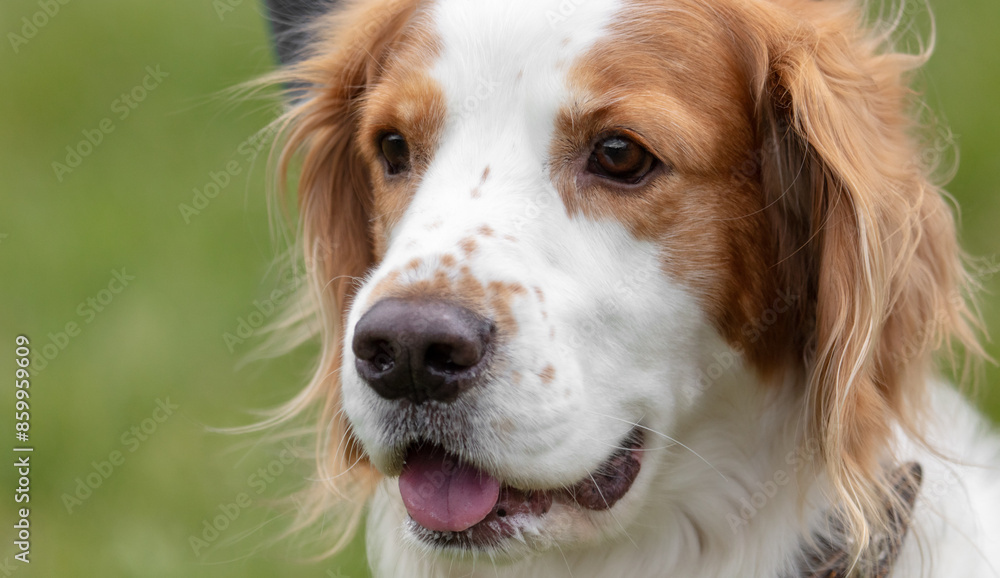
(467, 512)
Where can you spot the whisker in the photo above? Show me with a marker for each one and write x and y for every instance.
(618, 447)
(565, 561)
(665, 436)
(613, 516)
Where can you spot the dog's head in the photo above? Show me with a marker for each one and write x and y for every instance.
(540, 232)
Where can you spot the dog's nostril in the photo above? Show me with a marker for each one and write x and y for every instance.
(439, 357)
(384, 359)
(448, 358)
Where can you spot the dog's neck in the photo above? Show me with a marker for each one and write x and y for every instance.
(738, 496)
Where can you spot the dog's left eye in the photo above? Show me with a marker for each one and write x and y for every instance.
(619, 158)
(395, 151)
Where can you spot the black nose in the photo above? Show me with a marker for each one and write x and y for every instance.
(421, 349)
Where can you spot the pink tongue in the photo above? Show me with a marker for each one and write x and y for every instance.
(444, 494)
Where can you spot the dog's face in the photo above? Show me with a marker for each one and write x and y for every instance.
(545, 220)
(558, 225)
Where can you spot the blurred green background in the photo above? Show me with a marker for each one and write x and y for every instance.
(65, 232)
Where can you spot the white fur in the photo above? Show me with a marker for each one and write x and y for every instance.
(630, 347)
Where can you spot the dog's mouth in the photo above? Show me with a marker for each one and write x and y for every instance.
(452, 503)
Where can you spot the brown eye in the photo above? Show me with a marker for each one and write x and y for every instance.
(395, 151)
(620, 158)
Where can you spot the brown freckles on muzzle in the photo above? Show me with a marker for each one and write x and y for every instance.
(433, 338)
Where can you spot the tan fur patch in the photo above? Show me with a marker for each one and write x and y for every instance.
(468, 246)
(408, 101)
(477, 190)
(711, 227)
(493, 300)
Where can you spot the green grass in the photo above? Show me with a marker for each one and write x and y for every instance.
(161, 336)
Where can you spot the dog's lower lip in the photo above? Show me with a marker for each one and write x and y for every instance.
(612, 479)
(515, 508)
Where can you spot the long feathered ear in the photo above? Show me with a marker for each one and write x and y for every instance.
(335, 73)
(862, 230)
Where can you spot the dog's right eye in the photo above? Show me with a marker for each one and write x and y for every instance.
(620, 158)
(395, 151)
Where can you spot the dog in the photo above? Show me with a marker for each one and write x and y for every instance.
(630, 288)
